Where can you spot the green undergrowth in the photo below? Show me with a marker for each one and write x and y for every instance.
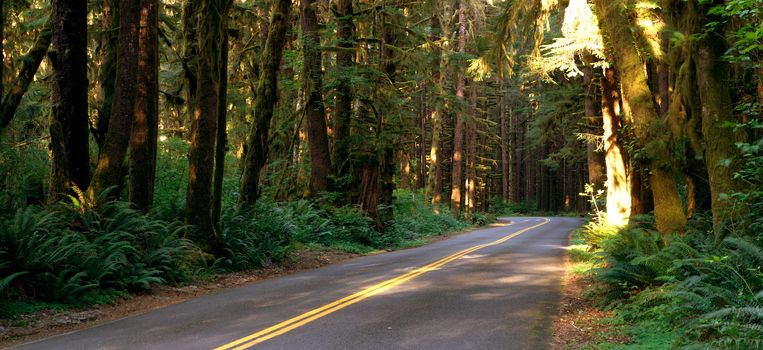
(77, 254)
(694, 291)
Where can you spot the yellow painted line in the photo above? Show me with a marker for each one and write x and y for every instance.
(324, 310)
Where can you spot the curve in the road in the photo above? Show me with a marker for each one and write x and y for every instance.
(312, 315)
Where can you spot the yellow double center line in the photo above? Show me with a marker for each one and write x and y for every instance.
(324, 310)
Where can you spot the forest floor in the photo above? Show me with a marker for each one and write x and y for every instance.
(580, 323)
(47, 323)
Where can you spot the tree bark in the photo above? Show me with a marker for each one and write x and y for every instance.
(504, 142)
(107, 69)
(109, 171)
(649, 127)
(267, 95)
(190, 41)
(717, 110)
(434, 178)
(206, 106)
(145, 127)
(343, 100)
(471, 152)
(317, 136)
(618, 189)
(458, 130)
(69, 90)
(595, 159)
(221, 144)
(29, 66)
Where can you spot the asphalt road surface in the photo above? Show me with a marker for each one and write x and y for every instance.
(494, 288)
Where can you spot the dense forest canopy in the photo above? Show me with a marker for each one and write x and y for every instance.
(200, 119)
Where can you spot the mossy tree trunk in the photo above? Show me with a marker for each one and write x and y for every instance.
(69, 91)
(649, 127)
(717, 114)
(107, 69)
(109, 171)
(267, 96)
(206, 107)
(439, 66)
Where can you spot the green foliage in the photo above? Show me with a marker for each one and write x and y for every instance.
(70, 252)
(706, 292)
(255, 238)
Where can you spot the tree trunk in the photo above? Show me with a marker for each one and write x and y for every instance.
(649, 127)
(109, 171)
(145, 128)
(69, 90)
(206, 106)
(191, 51)
(504, 142)
(343, 100)
(471, 152)
(317, 137)
(30, 63)
(434, 178)
(221, 144)
(387, 161)
(458, 130)
(717, 110)
(618, 190)
(267, 95)
(596, 160)
(107, 69)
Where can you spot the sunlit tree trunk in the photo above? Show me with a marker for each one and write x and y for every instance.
(618, 189)
(267, 95)
(649, 127)
(109, 171)
(317, 137)
(69, 93)
(458, 130)
(145, 127)
(471, 152)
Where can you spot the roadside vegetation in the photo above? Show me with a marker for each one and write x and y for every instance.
(702, 289)
(79, 253)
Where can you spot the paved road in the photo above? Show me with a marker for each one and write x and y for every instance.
(487, 289)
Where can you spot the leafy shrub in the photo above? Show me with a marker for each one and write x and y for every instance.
(255, 238)
(67, 252)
